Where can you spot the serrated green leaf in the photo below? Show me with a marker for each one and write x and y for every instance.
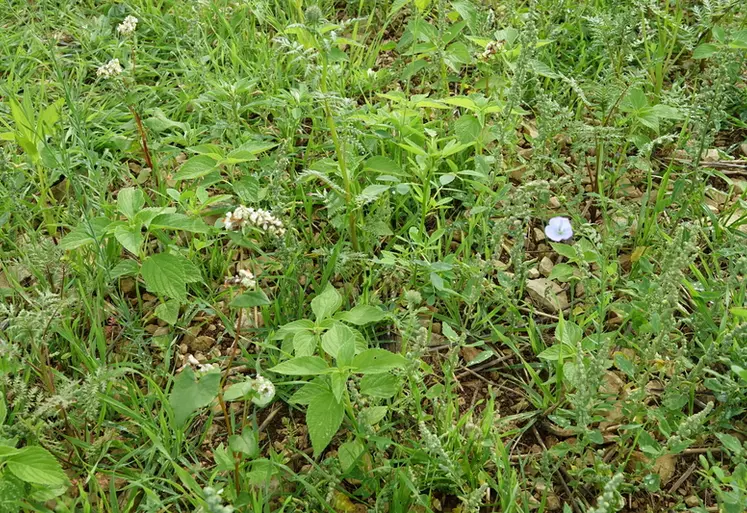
(326, 303)
(36, 465)
(461, 101)
(302, 366)
(306, 393)
(381, 386)
(292, 328)
(130, 201)
(188, 394)
(348, 454)
(562, 272)
(362, 315)
(323, 419)
(124, 268)
(250, 298)
(130, 238)
(196, 167)
(467, 128)
(238, 390)
(564, 250)
(304, 343)
(377, 361)
(223, 459)
(179, 222)
(568, 332)
(383, 165)
(164, 274)
(557, 352)
(246, 443)
(168, 311)
(704, 51)
(335, 337)
(373, 415)
(248, 150)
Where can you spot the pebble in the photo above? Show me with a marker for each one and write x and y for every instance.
(692, 501)
(553, 502)
(202, 343)
(161, 331)
(545, 266)
(533, 273)
(548, 295)
(127, 285)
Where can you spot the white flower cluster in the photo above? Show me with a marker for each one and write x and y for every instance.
(257, 217)
(201, 368)
(491, 49)
(247, 279)
(128, 26)
(265, 391)
(110, 69)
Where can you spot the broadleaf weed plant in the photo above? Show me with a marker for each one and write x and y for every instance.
(393, 256)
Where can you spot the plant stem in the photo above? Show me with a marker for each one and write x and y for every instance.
(340, 150)
(144, 143)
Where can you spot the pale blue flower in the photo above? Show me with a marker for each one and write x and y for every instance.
(558, 228)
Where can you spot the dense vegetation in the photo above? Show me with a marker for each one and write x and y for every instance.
(373, 256)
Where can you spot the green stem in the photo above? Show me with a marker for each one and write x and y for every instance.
(352, 223)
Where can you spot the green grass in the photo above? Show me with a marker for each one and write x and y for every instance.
(422, 345)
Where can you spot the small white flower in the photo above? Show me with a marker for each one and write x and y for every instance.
(558, 228)
(259, 218)
(110, 69)
(128, 26)
(247, 279)
(205, 368)
(265, 391)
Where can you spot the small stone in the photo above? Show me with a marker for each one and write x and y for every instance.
(191, 334)
(612, 384)
(469, 353)
(436, 328)
(200, 357)
(183, 348)
(518, 173)
(533, 273)
(554, 202)
(580, 290)
(664, 466)
(545, 266)
(710, 155)
(692, 501)
(151, 328)
(547, 295)
(149, 297)
(743, 148)
(539, 235)
(126, 285)
(161, 331)
(202, 344)
(553, 502)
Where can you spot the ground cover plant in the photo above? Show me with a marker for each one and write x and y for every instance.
(373, 256)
